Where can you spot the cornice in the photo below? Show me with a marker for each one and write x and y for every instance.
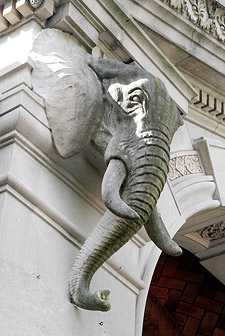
(179, 30)
(208, 15)
(207, 109)
(116, 26)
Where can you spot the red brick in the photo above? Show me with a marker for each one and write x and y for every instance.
(180, 318)
(221, 322)
(208, 323)
(218, 332)
(220, 296)
(172, 300)
(190, 276)
(187, 261)
(190, 293)
(159, 292)
(209, 304)
(170, 267)
(208, 287)
(156, 274)
(191, 326)
(162, 301)
(162, 259)
(171, 283)
(197, 267)
(189, 309)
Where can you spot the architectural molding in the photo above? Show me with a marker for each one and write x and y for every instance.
(13, 12)
(207, 109)
(183, 165)
(205, 14)
(9, 183)
(198, 44)
(208, 103)
(61, 174)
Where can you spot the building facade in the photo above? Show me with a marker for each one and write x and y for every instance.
(49, 205)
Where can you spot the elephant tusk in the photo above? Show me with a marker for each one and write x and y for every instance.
(114, 176)
(159, 235)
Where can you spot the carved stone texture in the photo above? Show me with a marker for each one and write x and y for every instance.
(175, 4)
(206, 14)
(197, 12)
(184, 165)
(213, 232)
(219, 25)
(128, 114)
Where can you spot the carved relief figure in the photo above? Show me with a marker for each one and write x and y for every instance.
(131, 119)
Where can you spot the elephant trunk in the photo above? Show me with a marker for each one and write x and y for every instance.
(148, 174)
(141, 191)
(110, 234)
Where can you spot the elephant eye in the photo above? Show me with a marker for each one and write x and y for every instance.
(135, 98)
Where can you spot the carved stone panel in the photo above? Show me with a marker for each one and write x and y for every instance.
(213, 232)
(184, 165)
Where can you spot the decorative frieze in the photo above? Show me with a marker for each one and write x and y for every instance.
(213, 232)
(206, 14)
(183, 165)
(196, 10)
(219, 26)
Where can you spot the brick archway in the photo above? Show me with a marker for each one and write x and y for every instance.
(184, 299)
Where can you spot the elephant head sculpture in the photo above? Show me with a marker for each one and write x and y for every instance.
(131, 119)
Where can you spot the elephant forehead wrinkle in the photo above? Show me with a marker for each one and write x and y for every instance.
(115, 90)
(138, 83)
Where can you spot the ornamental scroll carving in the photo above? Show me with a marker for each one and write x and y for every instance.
(213, 232)
(206, 14)
(196, 10)
(184, 165)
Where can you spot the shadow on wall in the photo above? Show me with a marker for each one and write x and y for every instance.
(184, 299)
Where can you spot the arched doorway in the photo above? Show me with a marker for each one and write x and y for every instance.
(184, 299)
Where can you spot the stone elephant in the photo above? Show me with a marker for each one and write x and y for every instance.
(131, 119)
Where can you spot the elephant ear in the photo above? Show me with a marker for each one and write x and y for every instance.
(71, 89)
